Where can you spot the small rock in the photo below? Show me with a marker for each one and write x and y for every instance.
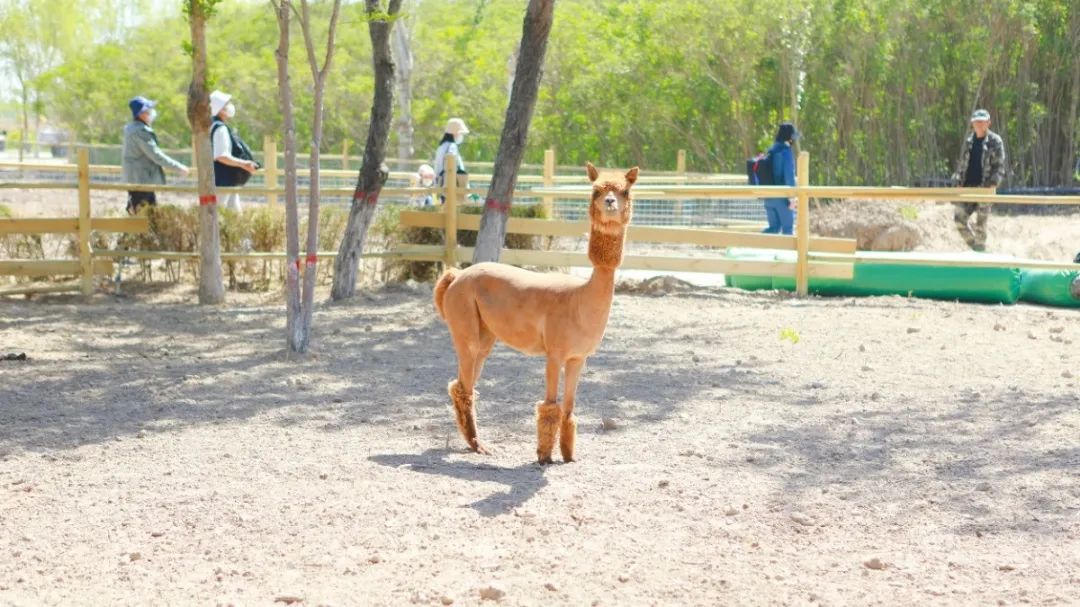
(695, 358)
(731, 511)
(368, 329)
(323, 476)
(624, 578)
(1006, 568)
(288, 599)
(445, 600)
(135, 556)
(876, 396)
(983, 486)
(662, 484)
(157, 533)
(875, 564)
(999, 327)
(374, 560)
(1031, 335)
(862, 347)
(551, 587)
(609, 423)
(802, 519)
(913, 330)
(1067, 374)
(867, 368)
(1056, 329)
(491, 593)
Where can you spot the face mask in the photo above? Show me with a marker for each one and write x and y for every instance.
(152, 116)
(459, 138)
(230, 111)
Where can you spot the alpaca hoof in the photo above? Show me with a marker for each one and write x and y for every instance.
(544, 461)
(477, 447)
(567, 460)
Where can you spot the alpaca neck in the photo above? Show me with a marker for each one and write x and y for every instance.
(605, 253)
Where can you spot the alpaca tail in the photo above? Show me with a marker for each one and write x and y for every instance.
(440, 289)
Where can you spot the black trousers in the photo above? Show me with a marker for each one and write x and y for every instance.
(137, 199)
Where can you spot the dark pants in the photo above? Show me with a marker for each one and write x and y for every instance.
(137, 200)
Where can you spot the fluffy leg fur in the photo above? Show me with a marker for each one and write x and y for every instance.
(567, 434)
(547, 426)
(465, 411)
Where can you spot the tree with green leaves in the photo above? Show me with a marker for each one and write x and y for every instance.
(211, 284)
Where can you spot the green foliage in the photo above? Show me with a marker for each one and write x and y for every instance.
(909, 212)
(882, 89)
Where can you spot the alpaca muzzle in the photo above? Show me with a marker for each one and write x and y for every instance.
(611, 203)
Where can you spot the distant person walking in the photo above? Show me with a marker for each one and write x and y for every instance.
(142, 159)
(780, 212)
(982, 165)
(233, 162)
(453, 137)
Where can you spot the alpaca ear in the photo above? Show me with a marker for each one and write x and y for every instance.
(591, 170)
(631, 176)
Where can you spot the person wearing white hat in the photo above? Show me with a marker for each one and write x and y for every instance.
(233, 162)
(452, 138)
(982, 165)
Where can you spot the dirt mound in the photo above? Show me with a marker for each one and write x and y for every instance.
(887, 226)
(656, 285)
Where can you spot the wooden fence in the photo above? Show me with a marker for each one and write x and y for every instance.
(815, 257)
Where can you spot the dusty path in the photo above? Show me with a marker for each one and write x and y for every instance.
(153, 452)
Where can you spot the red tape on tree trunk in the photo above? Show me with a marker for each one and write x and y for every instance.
(502, 207)
(207, 200)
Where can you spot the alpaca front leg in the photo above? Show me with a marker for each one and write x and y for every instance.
(547, 426)
(465, 411)
(568, 429)
(548, 413)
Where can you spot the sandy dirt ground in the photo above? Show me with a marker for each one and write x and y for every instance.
(758, 450)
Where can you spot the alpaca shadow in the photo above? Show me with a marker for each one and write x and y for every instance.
(524, 481)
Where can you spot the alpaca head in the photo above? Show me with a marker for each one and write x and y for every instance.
(612, 205)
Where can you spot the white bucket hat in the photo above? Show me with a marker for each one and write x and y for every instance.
(218, 101)
(456, 126)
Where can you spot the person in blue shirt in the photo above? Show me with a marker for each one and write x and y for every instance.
(781, 211)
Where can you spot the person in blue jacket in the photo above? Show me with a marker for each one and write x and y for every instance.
(781, 211)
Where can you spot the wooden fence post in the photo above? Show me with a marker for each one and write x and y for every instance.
(549, 180)
(450, 208)
(802, 228)
(680, 162)
(86, 262)
(344, 154)
(271, 176)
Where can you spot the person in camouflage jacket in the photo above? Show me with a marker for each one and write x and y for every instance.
(982, 165)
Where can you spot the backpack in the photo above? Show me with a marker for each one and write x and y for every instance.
(227, 175)
(759, 169)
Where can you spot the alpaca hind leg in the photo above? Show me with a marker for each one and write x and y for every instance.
(568, 425)
(548, 413)
(462, 390)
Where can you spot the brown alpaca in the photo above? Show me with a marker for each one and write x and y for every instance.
(556, 315)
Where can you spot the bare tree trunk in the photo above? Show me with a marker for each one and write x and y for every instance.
(319, 76)
(402, 52)
(373, 173)
(293, 336)
(530, 65)
(211, 285)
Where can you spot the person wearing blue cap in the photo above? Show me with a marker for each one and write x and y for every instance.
(143, 160)
(780, 212)
(982, 165)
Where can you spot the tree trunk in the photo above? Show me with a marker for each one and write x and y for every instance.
(530, 64)
(404, 64)
(373, 173)
(211, 285)
(319, 77)
(293, 331)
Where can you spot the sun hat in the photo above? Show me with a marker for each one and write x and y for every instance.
(139, 105)
(218, 101)
(456, 126)
(980, 115)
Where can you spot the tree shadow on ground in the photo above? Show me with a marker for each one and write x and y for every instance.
(523, 481)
